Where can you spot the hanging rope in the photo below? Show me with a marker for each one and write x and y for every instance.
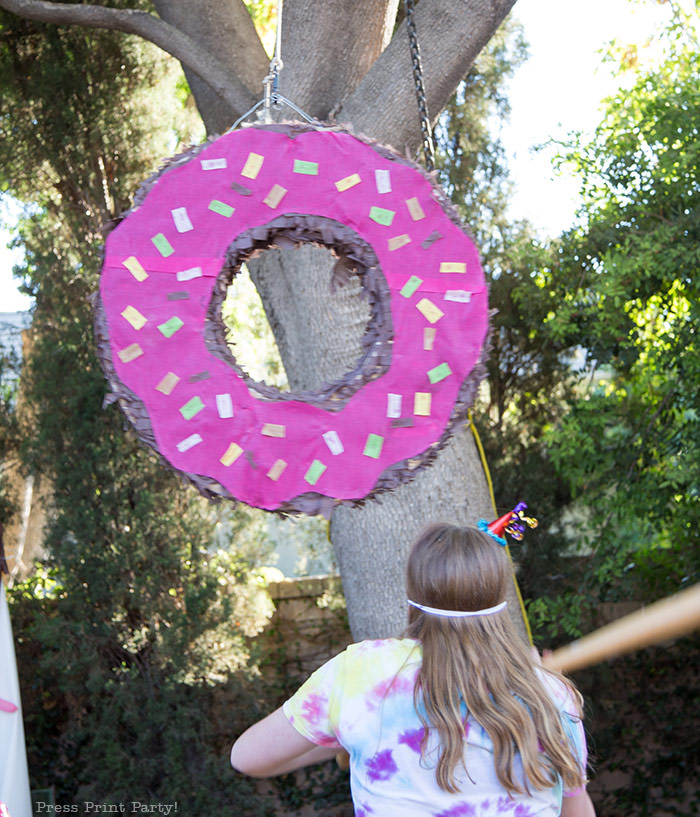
(425, 128)
(487, 473)
(271, 94)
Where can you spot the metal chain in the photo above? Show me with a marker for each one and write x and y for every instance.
(426, 130)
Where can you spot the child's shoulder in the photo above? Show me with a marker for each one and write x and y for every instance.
(385, 651)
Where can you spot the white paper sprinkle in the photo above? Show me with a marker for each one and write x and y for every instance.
(383, 180)
(393, 405)
(189, 274)
(182, 220)
(213, 164)
(224, 405)
(333, 442)
(189, 442)
(459, 295)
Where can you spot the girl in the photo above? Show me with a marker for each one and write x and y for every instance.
(454, 719)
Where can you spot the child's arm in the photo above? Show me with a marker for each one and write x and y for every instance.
(273, 746)
(578, 805)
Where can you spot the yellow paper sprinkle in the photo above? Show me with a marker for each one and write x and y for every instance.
(399, 241)
(421, 404)
(133, 264)
(129, 353)
(415, 209)
(348, 182)
(274, 430)
(276, 471)
(232, 453)
(252, 166)
(168, 383)
(429, 310)
(275, 196)
(134, 317)
(428, 338)
(453, 266)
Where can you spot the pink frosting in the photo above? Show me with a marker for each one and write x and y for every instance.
(459, 333)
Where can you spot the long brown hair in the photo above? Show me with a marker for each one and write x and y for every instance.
(481, 661)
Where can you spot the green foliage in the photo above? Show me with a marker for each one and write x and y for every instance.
(630, 444)
(529, 378)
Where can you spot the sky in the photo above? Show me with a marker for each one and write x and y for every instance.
(556, 91)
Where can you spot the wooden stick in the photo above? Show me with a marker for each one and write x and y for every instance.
(661, 621)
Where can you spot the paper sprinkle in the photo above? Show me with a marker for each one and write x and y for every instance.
(373, 446)
(274, 430)
(171, 326)
(232, 453)
(315, 471)
(168, 383)
(178, 296)
(421, 403)
(162, 244)
(275, 196)
(213, 164)
(349, 181)
(381, 215)
(415, 209)
(221, 208)
(333, 442)
(134, 317)
(428, 338)
(252, 166)
(241, 189)
(189, 442)
(134, 266)
(393, 405)
(439, 373)
(197, 378)
(191, 407)
(307, 168)
(399, 241)
(383, 181)
(402, 422)
(129, 353)
(429, 310)
(459, 295)
(410, 286)
(276, 471)
(224, 405)
(189, 274)
(182, 220)
(431, 239)
(453, 266)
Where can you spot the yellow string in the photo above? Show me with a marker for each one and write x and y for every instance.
(477, 439)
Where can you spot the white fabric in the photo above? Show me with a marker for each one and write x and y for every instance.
(14, 777)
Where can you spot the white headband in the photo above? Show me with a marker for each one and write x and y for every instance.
(435, 611)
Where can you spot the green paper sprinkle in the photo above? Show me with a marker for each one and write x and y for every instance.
(411, 286)
(162, 245)
(382, 216)
(308, 168)
(373, 446)
(191, 407)
(221, 208)
(439, 373)
(314, 473)
(171, 326)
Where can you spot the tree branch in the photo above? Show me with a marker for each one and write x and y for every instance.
(451, 34)
(227, 85)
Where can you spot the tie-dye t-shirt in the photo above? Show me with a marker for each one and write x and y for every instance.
(362, 700)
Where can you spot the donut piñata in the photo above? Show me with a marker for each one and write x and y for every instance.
(161, 339)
